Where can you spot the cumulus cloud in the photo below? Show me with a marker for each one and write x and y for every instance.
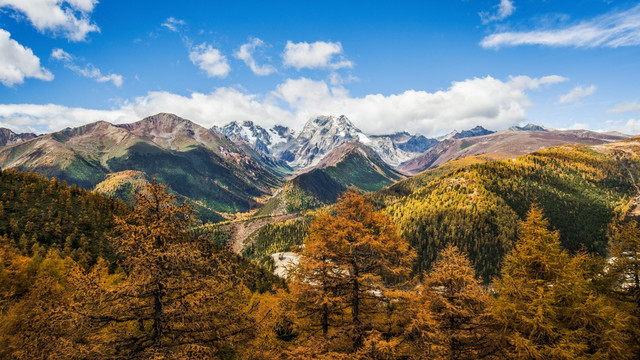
(219, 107)
(505, 9)
(210, 60)
(173, 24)
(18, 62)
(317, 55)
(88, 70)
(625, 107)
(71, 18)
(480, 101)
(612, 30)
(576, 94)
(245, 53)
(487, 101)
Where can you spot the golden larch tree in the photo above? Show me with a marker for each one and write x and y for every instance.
(348, 262)
(175, 300)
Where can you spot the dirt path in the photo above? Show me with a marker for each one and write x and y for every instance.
(241, 230)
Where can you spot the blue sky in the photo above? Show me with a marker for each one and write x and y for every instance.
(422, 66)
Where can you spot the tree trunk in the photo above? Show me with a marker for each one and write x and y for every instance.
(157, 316)
(355, 307)
(325, 319)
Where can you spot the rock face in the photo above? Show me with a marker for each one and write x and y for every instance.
(400, 147)
(8, 137)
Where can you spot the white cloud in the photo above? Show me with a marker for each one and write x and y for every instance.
(67, 17)
(480, 101)
(173, 24)
(611, 30)
(18, 62)
(484, 101)
(576, 94)
(219, 107)
(88, 70)
(245, 53)
(315, 55)
(210, 60)
(630, 126)
(336, 79)
(625, 107)
(505, 9)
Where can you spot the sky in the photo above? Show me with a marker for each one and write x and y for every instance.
(427, 67)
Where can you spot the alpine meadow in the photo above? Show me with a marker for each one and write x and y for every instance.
(369, 180)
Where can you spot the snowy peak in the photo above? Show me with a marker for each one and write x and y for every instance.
(261, 139)
(319, 136)
(331, 126)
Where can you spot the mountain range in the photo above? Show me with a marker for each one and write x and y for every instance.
(242, 166)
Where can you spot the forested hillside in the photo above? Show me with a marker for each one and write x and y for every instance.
(198, 164)
(475, 203)
(39, 213)
(349, 165)
(143, 285)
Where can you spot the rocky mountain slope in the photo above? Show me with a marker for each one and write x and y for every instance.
(8, 137)
(476, 131)
(199, 164)
(504, 144)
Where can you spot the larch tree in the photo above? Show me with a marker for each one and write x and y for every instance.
(451, 319)
(624, 264)
(547, 306)
(347, 263)
(37, 317)
(173, 299)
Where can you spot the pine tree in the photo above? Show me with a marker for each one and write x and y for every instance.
(347, 262)
(174, 299)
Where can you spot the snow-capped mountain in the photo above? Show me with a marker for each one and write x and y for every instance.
(322, 134)
(319, 136)
(397, 148)
(476, 131)
(261, 139)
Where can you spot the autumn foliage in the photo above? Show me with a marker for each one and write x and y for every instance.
(146, 288)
